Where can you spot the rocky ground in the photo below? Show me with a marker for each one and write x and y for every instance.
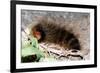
(78, 23)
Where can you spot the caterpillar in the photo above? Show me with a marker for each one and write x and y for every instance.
(50, 32)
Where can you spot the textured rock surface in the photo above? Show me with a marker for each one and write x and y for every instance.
(78, 23)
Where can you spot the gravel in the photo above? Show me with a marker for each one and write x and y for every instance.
(76, 22)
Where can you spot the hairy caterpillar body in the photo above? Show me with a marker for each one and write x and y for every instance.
(53, 33)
